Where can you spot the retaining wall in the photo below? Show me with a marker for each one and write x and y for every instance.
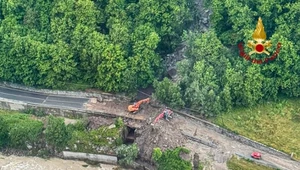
(92, 157)
(8, 104)
(237, 137)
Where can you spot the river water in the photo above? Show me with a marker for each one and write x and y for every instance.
(34, 163)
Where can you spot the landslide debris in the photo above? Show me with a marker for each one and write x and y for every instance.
(94, 122)
(163, 134)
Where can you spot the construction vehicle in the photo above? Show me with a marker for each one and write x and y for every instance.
(165, 114)
(135, 107)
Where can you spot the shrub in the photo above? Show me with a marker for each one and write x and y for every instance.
(3, 132)
(119, 122)
(17, 130)
(170, 159)
(78, 126)
(25, 132)
(36, 112)
(157, 153)
(56, 133)
(103, 137)
(168, 92)
(127, 154)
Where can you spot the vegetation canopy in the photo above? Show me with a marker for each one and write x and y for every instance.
(113, 45)
(213, 78)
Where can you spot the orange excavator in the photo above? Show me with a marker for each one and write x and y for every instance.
(135, 107)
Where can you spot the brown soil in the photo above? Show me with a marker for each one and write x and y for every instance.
(163, 134)
(95, 122)
(167, 135)
(119, 108)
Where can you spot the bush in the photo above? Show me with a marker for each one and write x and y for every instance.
(56, 133)
(78, 126)
(19, 130)
(168, 92)
(157, 153)
(99, 138)
(127, 154)
(36, 112)
(3, 132)
(25, 132)
(170, 159)
(119, 122)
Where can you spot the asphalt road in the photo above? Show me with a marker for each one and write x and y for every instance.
(42, 98)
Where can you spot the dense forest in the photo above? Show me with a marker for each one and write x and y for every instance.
(113, 45)
(214, 78)
(119, 46)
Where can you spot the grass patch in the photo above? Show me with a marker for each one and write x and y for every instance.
(274, 124)
(242, 164)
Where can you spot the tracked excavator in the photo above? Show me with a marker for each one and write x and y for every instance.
(135, 107)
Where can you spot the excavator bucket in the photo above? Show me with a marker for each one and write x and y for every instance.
(131, 108)
(135, 107)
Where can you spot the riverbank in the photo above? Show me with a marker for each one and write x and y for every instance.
(13, 162)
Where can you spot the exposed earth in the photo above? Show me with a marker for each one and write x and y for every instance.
(168, 135)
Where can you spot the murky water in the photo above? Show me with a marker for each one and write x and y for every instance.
(35, 163)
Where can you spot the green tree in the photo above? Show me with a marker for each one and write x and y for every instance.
(127, 154)
(168, 92)
(56, 133)
(201, 74)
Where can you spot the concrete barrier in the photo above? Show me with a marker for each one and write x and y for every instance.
(109, 159)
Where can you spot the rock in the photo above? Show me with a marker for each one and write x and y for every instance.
(111, 126)
(99, 99)
(93, 100)
(196, 161)
(29, 146)
(205, 20)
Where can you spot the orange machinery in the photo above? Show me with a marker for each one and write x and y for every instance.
(135, 107)
(160, 116)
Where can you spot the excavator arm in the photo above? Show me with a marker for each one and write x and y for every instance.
(160, 116)
(136, 106)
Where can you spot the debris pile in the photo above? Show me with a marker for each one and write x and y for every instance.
(164, 135)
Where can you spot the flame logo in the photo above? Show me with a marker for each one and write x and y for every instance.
(259, 33)
(259, 44)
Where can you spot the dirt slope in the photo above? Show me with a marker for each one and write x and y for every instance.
(163, 135)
